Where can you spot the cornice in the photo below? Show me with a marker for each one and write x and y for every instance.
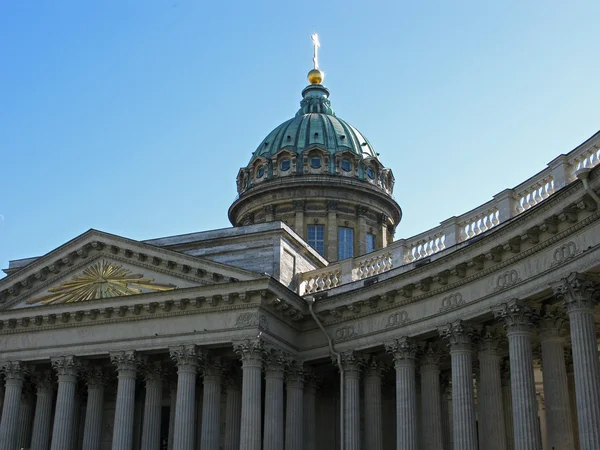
(388, 296)
(77, 253)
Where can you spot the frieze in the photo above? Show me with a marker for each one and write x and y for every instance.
(452, 301)
(253, 319)
(397, 318)
(565, 253)
(506, 280)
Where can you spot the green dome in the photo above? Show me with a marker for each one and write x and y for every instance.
(315, 125)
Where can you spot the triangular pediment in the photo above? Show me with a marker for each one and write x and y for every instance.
(98, 265)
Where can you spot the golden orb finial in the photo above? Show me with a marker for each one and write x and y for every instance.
(315, 76)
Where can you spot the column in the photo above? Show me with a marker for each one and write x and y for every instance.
(464, 432)
(76, 418)
(26, 417)
(14, 373)
(127, 363)
(431, 407)
(577, 293)
(42, 421)
(199, 404)
(310, 420)
(492, 431)
(542, 418)
(172, 407)
(518, 319)
(373, 407)
(445, 411)
(572, 396)
(274, 374)
(294, 420)
(507, 405)
(233, 409)
(211, 404)
(556, 386)
(250, 352)
(153, 374)
(352, 364)
(92, 429)
(67, 368)
(404, 352)
(187, 359)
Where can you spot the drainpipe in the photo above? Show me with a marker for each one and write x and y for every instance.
(311, 301)
(583, 174)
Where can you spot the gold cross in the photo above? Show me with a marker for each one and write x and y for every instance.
(316, 45)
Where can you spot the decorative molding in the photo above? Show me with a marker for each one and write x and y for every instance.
(452, 301)
(506, 280)
(252, 319)
(565, 253)
(397, 318)
(344, 333)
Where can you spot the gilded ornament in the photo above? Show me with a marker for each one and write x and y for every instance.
(100, 280)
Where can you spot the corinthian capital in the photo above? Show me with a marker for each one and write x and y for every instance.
(351, 360)
(459, 335)
(44, 381)
(250, 351)
(14, 370)
(402, 349)
(552, 323)
(578, 291)
(186, 357)
(489, 343)
(125, 361)
(66, 366)
(516, 315)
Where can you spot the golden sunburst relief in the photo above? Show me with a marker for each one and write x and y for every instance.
(100, 280)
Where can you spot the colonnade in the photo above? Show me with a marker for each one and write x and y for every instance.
(283, 416)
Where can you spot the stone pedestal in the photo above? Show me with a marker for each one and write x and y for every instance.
(187, 360)
(62, 433)
(577, 293)
(250, 352)
(464, 432)
(14, 373)
(42, 422)
(492, 431)
(92, 431)
(404, 352)
(153, 374)
(126, 363)
(211, 405)
(519, 319)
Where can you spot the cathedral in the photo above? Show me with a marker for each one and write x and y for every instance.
(308, 325)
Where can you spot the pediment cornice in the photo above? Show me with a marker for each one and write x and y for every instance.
(94, 244)
(263, 292)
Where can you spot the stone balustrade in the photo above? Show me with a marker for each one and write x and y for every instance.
(504, 206)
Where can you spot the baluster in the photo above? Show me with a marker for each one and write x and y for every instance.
(463, 233)
(442, 244)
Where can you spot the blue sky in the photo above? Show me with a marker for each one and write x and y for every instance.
(133, 117)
